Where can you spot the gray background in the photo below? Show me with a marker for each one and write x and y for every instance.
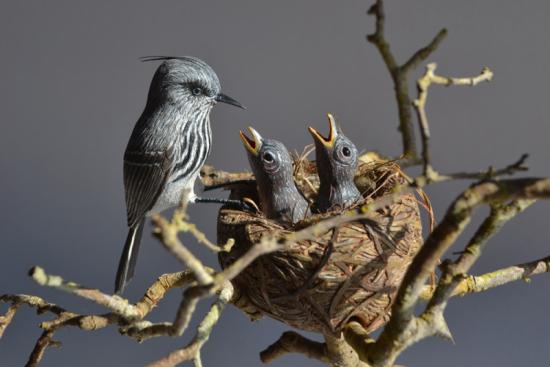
(72, 87)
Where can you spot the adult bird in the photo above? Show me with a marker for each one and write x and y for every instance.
(272, 167)
(168, 146)
(336, 159)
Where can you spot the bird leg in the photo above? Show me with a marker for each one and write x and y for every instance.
(239, 204)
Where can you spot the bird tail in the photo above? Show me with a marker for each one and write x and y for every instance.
(129, 256)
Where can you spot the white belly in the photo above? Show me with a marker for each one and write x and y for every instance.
(171, 195)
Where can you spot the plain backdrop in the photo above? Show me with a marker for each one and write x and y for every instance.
(72, 88)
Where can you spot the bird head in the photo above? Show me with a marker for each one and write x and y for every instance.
(186, 82)
(269, 158)
(335, 154)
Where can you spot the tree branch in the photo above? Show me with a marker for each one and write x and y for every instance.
(292, 342)
(400, 75)
(497, 278)
(114, 303)
(168, 235)
(404, 328)
(454, 272)
(192, 350)
(44, 341)
(423, 84)
(7, 318)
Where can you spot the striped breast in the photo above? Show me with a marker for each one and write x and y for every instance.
(190, 152)
(193, 150)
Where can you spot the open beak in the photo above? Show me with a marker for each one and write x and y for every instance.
(333, 132)
(226, 99)
(253, 144)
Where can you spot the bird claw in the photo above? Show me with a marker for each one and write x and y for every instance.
(244, 206)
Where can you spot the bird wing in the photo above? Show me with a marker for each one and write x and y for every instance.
(145, 174)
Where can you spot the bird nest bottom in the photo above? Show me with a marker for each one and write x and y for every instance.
(350, 272)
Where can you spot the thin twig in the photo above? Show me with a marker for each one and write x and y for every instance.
(497, 278)
(147, 330)
(454, 272)
(168, 236)
(400, 75)
(8, 317)
(113, 303)
(192, 350)
(423, 84)
(43, 342)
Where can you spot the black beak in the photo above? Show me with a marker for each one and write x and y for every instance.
(226, 99)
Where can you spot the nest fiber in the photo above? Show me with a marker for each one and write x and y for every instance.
(350, 272)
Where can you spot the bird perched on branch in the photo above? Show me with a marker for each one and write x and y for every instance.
(336, 158)
(272, 166)
(168, 146)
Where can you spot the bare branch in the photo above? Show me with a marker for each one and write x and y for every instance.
(378, 37)
(341, 354)
(292, 342)
(93, 322)
(192, 350)
(497, 278)
(432, 321)
(156, 292)
(43, 342)
(454, 272)
(113, 303)
(503, 276)
(423, 84)
(168, 236)
(490, 173)
(146, 330)
(8, 316)
(400, 75)
(404, 328)
(32, 301)
(213, 178)
(424, 52)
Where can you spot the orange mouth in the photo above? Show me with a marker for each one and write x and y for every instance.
(253, 144)
(332, 133)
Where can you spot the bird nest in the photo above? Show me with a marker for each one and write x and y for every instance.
(350, 272)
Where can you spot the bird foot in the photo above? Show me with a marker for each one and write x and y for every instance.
(237, 204)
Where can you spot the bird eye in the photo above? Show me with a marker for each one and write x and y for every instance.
(268, 157)
(346, 151)
(196, 91)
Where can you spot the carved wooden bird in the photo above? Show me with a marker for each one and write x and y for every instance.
(272, 166)
(336, 158)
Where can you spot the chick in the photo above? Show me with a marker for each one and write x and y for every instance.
(272, 167)
(336, 158)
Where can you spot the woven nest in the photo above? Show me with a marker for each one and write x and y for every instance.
(352, 272)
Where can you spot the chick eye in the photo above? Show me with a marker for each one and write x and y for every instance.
(268, 157)
(346, 152)
(196, 91)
